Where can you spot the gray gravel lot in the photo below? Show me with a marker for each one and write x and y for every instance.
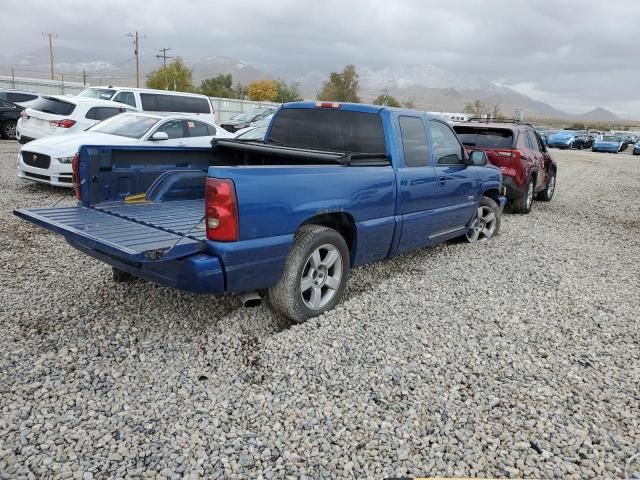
(516, 358)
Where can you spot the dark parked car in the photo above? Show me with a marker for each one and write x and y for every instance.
(582, 140)
(22, 98)
(636, 148)
(516, 148)
(9, 115)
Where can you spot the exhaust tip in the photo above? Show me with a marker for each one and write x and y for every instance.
(250, 299)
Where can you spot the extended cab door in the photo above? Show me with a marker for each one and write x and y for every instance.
(416, 185)
(456, 182)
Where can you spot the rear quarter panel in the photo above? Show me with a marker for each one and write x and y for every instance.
(274, 201)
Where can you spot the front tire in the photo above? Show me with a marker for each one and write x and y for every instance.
(547, 194)
(487, 223)
(315, 275)
(525, 202)
(8, 130)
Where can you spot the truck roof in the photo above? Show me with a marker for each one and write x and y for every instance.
(356, 107)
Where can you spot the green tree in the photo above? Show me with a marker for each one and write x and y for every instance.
(220, 86)
(341, 87)
(387, 100)
(176, 76)
(288, 92)
(263, 90)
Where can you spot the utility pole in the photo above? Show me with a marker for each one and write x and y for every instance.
(385, 94)
(13, 79)
(51, 57)
(84, 77)
(164, 57)
(136, 43)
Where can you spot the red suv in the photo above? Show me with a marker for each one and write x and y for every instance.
(528, 170)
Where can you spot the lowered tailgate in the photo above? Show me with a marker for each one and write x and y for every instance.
(138, 235)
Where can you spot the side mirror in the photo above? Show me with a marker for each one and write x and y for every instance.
(159, 136)
(478, 158)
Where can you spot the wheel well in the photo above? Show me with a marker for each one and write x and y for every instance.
(493, 194)
(342, 222)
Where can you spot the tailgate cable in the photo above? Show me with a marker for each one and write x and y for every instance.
(72, 193)
(158, 254)
(64, 195)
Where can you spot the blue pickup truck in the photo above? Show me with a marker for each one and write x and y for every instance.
(333, 186)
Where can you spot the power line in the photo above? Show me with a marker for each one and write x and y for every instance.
(164, 57)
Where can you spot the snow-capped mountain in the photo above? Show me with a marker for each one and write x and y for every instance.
(419, 75)
(428, 87)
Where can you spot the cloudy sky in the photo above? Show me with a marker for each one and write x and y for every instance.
(574, 54)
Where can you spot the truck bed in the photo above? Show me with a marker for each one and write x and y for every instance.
(177, 217)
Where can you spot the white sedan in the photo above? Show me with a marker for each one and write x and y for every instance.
(48, 160)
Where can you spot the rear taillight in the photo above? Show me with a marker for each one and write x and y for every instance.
(512, 153)
(66, 123)
(221, 210)
(23, 114)
(75, 176)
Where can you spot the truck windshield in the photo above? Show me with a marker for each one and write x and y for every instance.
(328, 129)
(101, 93)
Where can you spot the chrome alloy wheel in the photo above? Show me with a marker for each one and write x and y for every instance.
(551, 186)
(529, 195)
(485, 225)
(321, 277)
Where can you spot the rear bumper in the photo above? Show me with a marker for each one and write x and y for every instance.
(201, 273)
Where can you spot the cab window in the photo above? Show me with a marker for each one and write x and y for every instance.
(173, 128)
(446, 147)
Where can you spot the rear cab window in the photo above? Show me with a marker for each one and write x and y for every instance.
(485, 137)
(54, 106)
(329, 129)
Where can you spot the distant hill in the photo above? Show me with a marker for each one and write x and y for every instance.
(429, 87)
(435, 89)
(599, 114)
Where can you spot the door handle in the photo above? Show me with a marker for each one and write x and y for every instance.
(442, 181)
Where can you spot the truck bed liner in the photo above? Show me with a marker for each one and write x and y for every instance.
(136, 232)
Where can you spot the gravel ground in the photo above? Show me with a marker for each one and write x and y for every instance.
(516, 358)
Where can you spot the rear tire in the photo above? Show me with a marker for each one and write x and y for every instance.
(315, 275)
(547, 194)
(8, 130)
(525, 202)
